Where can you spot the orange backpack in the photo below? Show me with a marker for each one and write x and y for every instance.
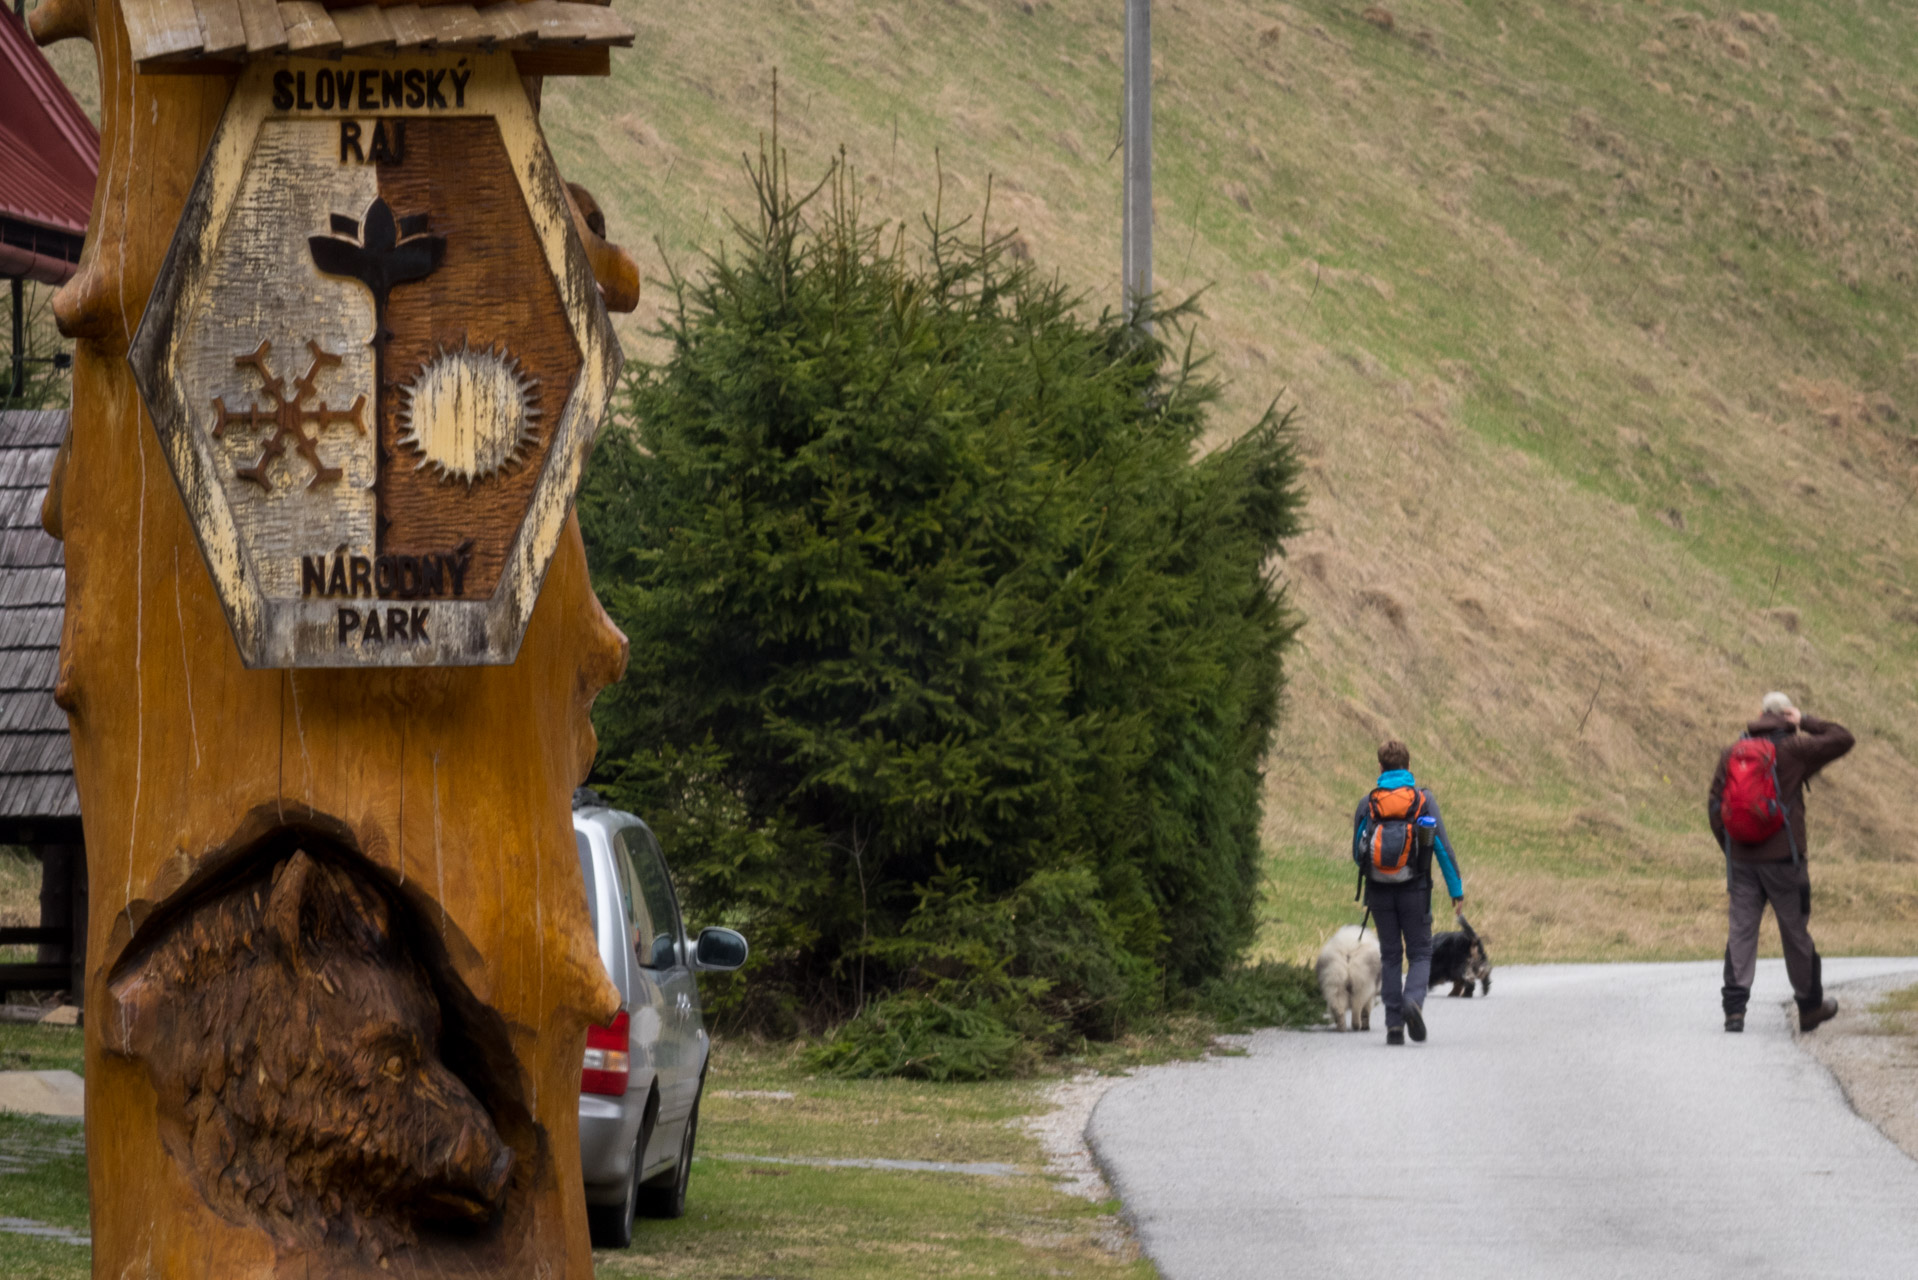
(1391, 842)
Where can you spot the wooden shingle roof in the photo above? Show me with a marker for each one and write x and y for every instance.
(173, 34)
(36, 757)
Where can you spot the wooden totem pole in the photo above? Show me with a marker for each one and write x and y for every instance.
(330, 644)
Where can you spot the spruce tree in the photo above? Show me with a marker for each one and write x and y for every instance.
(954, 656)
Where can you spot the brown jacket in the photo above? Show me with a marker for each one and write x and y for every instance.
(1800, 755)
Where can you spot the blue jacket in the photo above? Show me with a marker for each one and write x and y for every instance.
(1442, 847)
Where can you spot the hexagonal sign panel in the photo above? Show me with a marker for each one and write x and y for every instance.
(376, 358)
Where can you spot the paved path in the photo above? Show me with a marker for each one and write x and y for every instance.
(1582, 1121)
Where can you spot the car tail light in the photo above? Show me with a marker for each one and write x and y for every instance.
(607, 1064)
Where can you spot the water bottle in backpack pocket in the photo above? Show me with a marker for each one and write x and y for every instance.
(1398, 835)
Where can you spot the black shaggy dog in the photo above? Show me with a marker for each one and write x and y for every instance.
(1459, 958)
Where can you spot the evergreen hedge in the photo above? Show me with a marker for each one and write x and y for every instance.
(954, 658)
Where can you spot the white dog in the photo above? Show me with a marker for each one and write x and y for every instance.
(1349, 976)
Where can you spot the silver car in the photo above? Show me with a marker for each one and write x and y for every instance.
(642, 1075)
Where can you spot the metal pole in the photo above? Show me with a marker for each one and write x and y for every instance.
(19, 386)
(1137, 248)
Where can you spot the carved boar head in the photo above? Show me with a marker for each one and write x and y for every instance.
(294, 1038)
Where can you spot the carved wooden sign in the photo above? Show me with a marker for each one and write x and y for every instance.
(376, 359)
(339, 963)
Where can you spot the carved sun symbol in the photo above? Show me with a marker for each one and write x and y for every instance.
(469, 413)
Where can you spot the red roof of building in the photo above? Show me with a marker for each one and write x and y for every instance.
(49, 158)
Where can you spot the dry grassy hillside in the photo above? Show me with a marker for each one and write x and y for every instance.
(1599, 323)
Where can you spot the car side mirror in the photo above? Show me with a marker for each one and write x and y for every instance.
(719, 951)
(665, 953)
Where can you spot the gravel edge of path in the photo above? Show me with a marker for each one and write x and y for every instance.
(1073, 1162)
(1065, 1132)
(1876, 1067)
(1061, 1133)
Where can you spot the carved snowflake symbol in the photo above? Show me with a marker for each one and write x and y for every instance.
(289, 416)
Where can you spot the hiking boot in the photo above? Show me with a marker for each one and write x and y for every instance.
(1808, 1019)
(1396, 1035)
(1734, 1022)
(1415, 1023)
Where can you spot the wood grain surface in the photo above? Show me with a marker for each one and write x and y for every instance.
(493, 281)
(263, 287)
(445, 788)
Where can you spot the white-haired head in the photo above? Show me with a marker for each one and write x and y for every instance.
(1778, 704)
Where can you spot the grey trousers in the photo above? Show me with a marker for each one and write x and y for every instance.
(1403, 913)
(1788, 889)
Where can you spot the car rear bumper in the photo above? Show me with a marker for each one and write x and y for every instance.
(608, 1132)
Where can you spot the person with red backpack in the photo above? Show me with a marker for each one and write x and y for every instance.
(1757, 813)
(1395, 835)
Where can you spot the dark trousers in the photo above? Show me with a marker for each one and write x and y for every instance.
(1403, 914)
(1788, 888)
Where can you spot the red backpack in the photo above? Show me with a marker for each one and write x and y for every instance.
(1750, 805)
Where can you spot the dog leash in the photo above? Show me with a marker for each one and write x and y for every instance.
(1364, 921)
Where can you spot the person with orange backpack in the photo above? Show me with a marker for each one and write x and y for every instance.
(1395, 835)
(1757, 812)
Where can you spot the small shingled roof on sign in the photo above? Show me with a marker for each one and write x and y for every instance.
(160, 34)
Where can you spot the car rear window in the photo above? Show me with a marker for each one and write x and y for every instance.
(655, 884)
(586, 876)
(629, 904)
(639, 857)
